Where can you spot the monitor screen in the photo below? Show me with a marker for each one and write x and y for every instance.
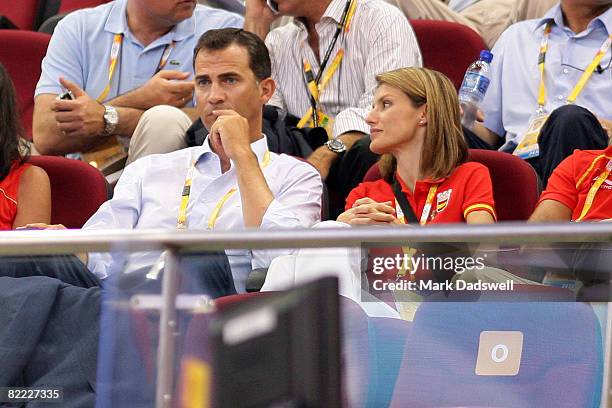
(281, 350)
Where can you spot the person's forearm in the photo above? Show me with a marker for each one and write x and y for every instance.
(47, 137)
(491, 138)
(323, 158)
(132, 99)
(128, 120)
(256, 26)
(254, 191)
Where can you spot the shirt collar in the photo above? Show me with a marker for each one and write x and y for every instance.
(334, 11)
(259, 147)
(116, 23)
(555, 14)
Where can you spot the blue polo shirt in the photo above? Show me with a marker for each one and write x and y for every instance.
(81, 45)
(512, 97)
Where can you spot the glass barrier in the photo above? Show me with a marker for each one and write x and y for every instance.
(495, 316)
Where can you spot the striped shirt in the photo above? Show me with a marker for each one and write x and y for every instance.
(380, 39)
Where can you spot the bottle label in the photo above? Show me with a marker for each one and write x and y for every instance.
(474, 82)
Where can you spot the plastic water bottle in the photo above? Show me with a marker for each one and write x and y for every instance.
(474, 87)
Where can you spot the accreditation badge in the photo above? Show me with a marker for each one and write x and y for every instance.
(528, 147)
(326, 123)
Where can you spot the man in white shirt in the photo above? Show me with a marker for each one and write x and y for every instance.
(231, 182)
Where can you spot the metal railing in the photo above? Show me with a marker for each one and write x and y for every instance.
(77, 241)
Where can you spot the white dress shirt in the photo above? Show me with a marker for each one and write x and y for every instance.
(148, 195)
(380, 39)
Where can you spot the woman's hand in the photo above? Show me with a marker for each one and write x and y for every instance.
(41, 226)
(366, 211)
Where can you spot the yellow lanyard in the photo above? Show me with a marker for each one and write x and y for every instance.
(588, 203)
(586, 75)
(426, 209)
(315, 87)
(212, 220)
(114, 57)
(405, 269)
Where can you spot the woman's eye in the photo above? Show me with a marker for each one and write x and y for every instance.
(386, 104)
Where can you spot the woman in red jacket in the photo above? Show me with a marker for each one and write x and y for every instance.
(426, 178)
(25, 193)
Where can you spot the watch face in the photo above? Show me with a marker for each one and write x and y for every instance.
(336, 146)
(111, 116)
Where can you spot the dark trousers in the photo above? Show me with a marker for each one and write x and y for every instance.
(208, 273)
(351, 167)
(568, 128)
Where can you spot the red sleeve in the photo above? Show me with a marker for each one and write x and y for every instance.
(561, 185)
(478, 192)
(358, 192)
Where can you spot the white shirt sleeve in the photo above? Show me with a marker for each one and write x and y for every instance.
(393, 45)
(296, 205)
(120, 212)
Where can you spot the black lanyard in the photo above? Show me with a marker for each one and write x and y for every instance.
(323, 65)
(411, 217)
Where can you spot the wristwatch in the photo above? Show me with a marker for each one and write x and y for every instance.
(111, 120)
(336, 146)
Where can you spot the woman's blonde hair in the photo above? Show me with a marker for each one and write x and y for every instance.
(444, 147)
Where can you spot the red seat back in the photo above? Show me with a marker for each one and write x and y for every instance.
(448, 47)
(515, 183)
(22, 13)
(67, 6)
(77, 189)
(22, 53)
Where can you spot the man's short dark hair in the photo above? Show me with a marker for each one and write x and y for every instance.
(220, 39)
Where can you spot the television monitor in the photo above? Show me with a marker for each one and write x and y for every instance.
(281, 350)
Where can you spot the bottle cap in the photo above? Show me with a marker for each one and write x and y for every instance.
(486, 55)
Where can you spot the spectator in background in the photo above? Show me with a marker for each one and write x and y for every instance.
(489, 18)
(25, 193)
(544, 114)
(415, 125)
(121, 61)
(327, 60)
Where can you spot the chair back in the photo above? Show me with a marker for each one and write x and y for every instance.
(77, 189)
(22, 13)
(453, 359)
(448, 47)
(22, 53)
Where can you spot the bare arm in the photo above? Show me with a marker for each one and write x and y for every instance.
(48, 132)
(33, 198)
(490, 137)
(479, 217)
(323, 158)
(167, 87)
(258, 18)
(551, 211)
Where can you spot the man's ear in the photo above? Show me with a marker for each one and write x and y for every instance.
(267, 88)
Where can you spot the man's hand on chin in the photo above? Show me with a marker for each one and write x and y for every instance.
(230, 134)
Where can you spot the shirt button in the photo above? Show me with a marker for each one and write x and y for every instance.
(560, 97)
(565, 71)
